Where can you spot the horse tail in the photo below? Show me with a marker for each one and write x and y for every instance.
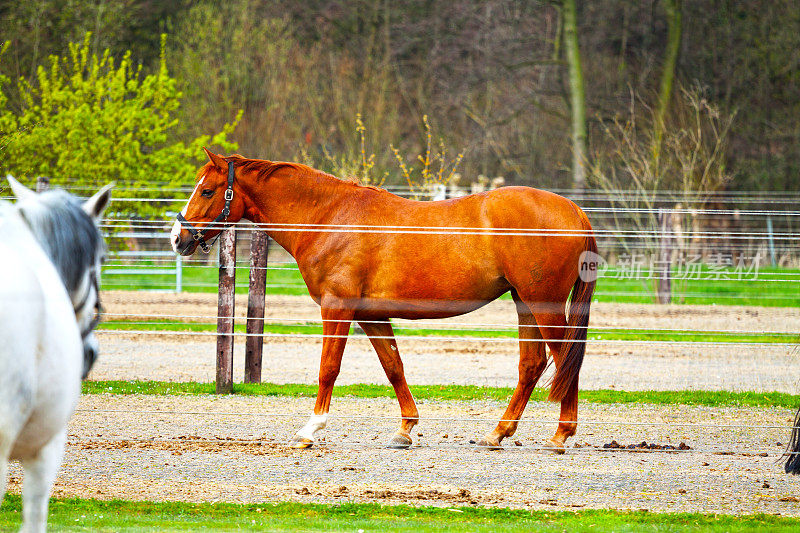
(793, 450)
(573, 347)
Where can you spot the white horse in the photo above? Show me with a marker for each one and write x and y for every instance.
(50, 254)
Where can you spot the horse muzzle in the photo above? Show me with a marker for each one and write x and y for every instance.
(90, 350)
(181, 240)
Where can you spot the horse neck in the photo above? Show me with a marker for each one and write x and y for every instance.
(293, 196)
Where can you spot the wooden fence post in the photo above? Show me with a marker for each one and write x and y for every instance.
(256, 295)
(225, 310)
(42, 183)
(665, 257)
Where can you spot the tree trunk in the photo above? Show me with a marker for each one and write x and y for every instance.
(674, 32)
(577, 95)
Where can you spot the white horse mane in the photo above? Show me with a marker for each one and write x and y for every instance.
(66, 233)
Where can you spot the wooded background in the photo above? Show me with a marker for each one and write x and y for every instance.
(493, 77)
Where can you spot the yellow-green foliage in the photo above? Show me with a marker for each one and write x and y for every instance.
(358, 167)
(88, 119)
(434, 168)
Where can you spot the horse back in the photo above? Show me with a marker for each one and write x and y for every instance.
(435, 259)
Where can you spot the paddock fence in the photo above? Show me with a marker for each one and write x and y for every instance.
(668, 247)
(662, 252)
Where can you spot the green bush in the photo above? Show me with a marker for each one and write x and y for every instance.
(86, 120)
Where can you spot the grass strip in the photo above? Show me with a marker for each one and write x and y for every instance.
(315, 328)
(453, 392)
(130, 516)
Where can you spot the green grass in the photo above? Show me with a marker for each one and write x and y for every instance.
(201, 279)
(763, 291)
(756, 292)
(453, 392)
(311, 328)
(124, 516)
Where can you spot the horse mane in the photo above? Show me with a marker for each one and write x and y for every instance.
(66, 233)
(264, 168)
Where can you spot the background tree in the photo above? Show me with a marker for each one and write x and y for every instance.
(39, 28)
(488, 74)
(577, 94)
(88, 119)
(674, 30)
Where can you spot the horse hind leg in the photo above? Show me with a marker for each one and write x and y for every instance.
(40, 474)
(532, 362)
(382, 338)
(553, 325)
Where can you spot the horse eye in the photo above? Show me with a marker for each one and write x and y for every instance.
(207, 193)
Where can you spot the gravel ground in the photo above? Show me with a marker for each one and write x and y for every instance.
(214, 455)
(233, 448)
(175, 357)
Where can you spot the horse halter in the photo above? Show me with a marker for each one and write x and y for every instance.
(98, 307)
(199, 235)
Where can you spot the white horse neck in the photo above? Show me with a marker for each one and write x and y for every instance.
(41, 355)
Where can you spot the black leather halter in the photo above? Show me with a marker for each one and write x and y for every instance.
(98, 307)
(199, 235)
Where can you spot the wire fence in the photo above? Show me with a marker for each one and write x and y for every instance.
(724, 283)
(310, 322)
(762, 228)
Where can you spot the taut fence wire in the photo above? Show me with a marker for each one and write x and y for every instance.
(761, 227)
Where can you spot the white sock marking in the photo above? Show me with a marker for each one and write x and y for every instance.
(314, 424)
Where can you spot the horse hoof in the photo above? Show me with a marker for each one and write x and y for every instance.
(400, 441)
(300, 443)
(554, 446)
(489, 443)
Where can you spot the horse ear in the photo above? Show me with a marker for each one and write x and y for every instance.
(95, 205)
(19, 190)
(218, 160)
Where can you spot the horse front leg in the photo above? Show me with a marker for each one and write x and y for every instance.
(3, 473)
(335, 328)
(40, 474)
(382, 338)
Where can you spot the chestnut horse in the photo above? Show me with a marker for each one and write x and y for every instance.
(367, 256)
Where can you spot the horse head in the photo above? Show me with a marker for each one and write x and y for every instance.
(67, 230)
(215, 201)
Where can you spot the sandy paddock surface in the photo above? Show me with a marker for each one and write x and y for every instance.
(233, 449)
(629, 366)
